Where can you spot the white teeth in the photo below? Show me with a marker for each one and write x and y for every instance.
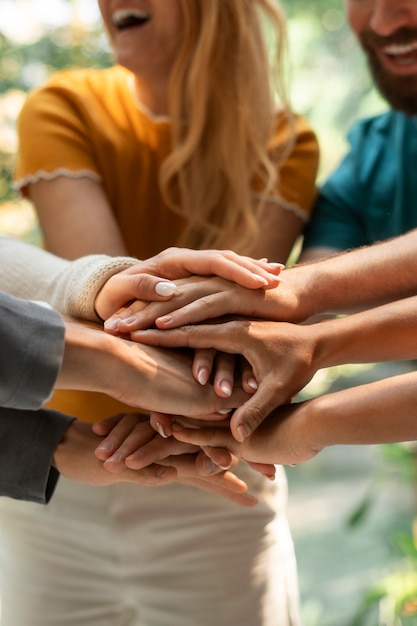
(395, 49)
(120, 15)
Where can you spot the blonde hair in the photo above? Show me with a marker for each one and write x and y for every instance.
(223, 106)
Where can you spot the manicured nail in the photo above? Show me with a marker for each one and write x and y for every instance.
(203, 375)
(112, 323)
(161, 430)
(280, 265)
(165, 289)
(261, 279)
(225, 411)
(252, 383)
(226, 387)
(243, 431)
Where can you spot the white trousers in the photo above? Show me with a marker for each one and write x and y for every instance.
(127, 555)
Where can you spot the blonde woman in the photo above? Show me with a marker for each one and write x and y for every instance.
(181, 143)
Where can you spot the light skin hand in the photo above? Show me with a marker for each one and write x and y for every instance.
(131, 441)
(150, 280)
(122, 448)
(196, 299)
(74, 458)
(140, 376)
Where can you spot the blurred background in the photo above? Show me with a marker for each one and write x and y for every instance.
(351, 508)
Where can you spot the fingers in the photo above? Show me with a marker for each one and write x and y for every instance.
(124, 287)
(105, 426)
(203, 364)
(213, 460)
(161, 423)
(180, 262)
(156, 450)
(252, 413)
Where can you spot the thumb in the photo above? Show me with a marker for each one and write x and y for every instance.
(122, 288)
(252, 413)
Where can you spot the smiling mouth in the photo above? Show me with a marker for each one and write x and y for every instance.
(129, 18)
(402, 54)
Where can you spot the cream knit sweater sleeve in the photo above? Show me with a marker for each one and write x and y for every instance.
(70, 287)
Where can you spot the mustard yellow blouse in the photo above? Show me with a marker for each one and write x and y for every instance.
(87, 123)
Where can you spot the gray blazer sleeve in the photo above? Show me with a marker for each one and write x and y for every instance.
(31, 349)
(28, 440)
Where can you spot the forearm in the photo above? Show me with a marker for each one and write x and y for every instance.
(379, 412)
(349, 281)
(70, 287)
(385, 333)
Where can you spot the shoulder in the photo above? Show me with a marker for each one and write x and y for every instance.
(78, 83)
(379, 127)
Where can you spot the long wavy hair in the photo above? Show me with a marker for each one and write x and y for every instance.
(223, 97)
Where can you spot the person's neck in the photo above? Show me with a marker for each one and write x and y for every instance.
(153, 97)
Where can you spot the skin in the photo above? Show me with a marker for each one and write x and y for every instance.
(284, 357)
(298, 432)
(136, 375)
(75, 459)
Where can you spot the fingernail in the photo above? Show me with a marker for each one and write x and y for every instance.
(225, 411)
(105, 446)
(226, 388)
(115, 458)
(165, 289)
(203, 375)
(128, 321)
(112, 323)
(280, 265)
(161, 430)
(270, 476)
(161, 471)
(252, 383)
(243, 431)
(261, 279)
(209, 466)
(165, 320)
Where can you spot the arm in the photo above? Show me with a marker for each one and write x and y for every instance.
(284, 357)
(95, 286)
(32, 340)
(350, 281)
(140, 376)
(379, 412)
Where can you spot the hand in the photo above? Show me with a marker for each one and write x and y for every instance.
(143, 281)
(131, 441)
(280, 355)
(74, 458)
(140, 376)
(282, 438)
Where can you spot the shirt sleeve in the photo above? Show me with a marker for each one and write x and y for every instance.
(55, 128)
(336, 220)
(32, 340)
(70, 287)
(296, 190)
(28, 441)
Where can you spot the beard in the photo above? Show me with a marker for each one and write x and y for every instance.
(399, 91)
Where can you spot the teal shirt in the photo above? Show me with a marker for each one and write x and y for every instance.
(372, 195)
